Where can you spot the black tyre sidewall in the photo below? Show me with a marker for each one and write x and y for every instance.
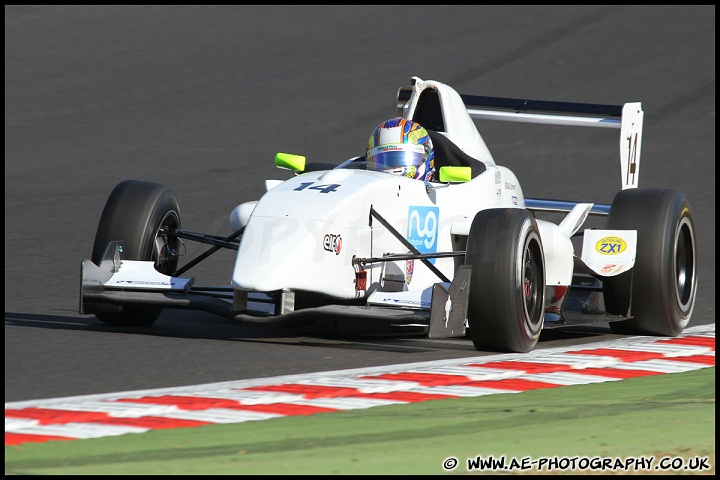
(497, 315)
(133, 214)
(659, 216)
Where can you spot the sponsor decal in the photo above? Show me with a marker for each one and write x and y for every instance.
(409, 269)
(397, 147)
(611, 245)
(423, 226)
(497, 178)
(117, 258)
(406, 302)
(332, 243)
(143, 282)
(448, 309)
(514, 200)
(509, 186)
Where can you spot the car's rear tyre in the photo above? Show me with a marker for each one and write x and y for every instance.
(134, 214)
(659, 292)
(507, 283)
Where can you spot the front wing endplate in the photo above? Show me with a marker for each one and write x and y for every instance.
(448, 313)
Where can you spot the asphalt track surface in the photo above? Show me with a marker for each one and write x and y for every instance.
(201, 98)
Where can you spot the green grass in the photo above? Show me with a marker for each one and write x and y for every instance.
(670, 415)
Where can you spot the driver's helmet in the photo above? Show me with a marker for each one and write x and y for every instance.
(401, 147)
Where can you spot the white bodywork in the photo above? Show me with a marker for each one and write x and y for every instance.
(300, 237)
(137, 275)
(304, 234)
(459, 126)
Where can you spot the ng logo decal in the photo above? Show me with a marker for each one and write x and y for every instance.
(423, 223)
(611, 245)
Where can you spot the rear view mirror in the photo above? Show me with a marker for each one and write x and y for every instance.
(455, 174)
(289, 161)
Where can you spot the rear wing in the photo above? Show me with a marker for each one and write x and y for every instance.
(628, 118)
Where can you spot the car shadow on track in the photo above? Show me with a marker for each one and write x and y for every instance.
(170, 324)
(202, 325)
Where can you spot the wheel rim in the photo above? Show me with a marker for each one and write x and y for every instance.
(533, 284)
(164, 252)
(684, 265)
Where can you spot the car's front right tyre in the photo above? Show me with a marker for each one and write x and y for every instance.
(136, 213)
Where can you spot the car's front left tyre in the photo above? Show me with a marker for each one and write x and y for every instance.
(507, 282)
(659, 292)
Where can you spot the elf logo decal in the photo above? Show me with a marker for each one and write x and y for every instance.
(332, 243)
(423, 229)
(611, 245)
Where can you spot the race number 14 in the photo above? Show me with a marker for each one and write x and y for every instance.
(326, 188)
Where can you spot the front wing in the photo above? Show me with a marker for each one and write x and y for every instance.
(117, 284)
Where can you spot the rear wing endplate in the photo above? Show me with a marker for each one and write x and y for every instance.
(628, 118)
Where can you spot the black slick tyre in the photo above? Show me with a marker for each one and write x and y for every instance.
(659, 291)
(134, 213)
(506, 306)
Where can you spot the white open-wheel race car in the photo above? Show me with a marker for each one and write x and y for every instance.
(345, 247)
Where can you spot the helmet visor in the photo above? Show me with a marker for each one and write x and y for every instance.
(396, 155)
